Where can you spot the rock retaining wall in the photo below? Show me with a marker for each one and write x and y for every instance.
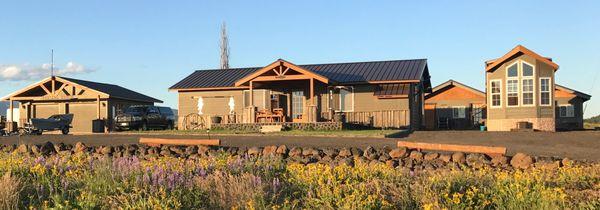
(393, 157)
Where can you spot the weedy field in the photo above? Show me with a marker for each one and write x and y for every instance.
(81, 180)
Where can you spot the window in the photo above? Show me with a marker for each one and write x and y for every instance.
(496, 87)
(261, 99)
(512, 92)
(545, 97)
(297, 104)
(347, 99)
(458, 112)
(567, 111)
(527, 70)
(513, 71)
(527, 91)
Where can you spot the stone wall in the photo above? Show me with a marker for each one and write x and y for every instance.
(540, 124)
(255, 127)
(392, 157)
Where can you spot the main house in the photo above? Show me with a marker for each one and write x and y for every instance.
(520, 88)
(381, 93)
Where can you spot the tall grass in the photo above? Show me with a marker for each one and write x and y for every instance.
(10, 189)
(221, 181)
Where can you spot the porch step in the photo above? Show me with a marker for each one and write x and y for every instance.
(270, 128)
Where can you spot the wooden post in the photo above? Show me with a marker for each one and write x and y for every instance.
(251, 94)
(10, 106)
(312, 91)
(289, 104)
(98, 109)
(53, 85)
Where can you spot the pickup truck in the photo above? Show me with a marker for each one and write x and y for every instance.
(144, 118)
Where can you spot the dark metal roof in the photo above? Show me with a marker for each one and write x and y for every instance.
(392, 90)
(114, 91)
(358, 72)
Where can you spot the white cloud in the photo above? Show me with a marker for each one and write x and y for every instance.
(28, 72)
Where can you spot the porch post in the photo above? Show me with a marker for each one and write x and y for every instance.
(312, 107)
(98, 108)
(10, 106)
(250, 109)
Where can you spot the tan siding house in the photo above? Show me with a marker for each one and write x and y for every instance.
(453, 105)
(380, 94)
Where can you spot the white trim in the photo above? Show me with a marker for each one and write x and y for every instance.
(492, 93)
(518, 92)
(571, 106)
(518, 69)
(351, 90)
(532, 77)
(550, 90)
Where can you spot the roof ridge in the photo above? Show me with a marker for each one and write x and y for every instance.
(68, 78)
(312, 64)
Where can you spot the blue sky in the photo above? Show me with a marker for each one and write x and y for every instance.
(150, 45)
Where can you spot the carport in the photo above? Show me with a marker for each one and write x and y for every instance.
(86, 100)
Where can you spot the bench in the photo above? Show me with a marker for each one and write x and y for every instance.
(183, 142)
(271, 128)
(453, 147)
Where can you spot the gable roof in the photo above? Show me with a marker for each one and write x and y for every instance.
(584, 96)
(491, 65)
(337, 73)
(449, 83)
(112, 91)
(281, 63)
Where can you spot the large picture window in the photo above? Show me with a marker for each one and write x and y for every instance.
(496, 94)
(527, 82)
(545, 93)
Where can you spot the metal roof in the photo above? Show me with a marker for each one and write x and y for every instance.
(114, 91)
(356, 72)
(392, 90)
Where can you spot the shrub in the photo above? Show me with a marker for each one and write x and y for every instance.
(10, 191)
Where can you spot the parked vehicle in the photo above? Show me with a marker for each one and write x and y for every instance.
(144, 118)
(59, 122)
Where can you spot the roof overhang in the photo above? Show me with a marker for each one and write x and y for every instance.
(581, 95)
(278, 71)
(450, 83)
(15, 95)
(493, 64)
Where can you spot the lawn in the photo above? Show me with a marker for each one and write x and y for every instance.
(588, 125)
(375, 133)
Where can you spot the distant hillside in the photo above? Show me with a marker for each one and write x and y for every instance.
(595, 119)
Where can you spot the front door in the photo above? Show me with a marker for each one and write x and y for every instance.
(297, 105)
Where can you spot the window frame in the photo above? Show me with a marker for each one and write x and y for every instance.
(518, 70)
(348, 89)
(517, 78)
(492, 93)
(517, 92)
(464, 112)
(550, 90)
(532, 78)
(567, 107)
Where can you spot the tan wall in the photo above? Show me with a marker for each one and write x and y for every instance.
(84, 112)
(521, 112)
(366, 101)
(188, 102)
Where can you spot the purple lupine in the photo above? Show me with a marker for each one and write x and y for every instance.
(276, 184)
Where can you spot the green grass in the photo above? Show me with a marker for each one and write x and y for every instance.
(341, 133)
(588, 125)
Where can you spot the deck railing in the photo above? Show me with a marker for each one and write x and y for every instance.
(381, 119)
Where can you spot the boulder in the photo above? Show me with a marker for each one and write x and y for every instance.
(269, 150)
(47, 148)
(521, 161)
(356, 152)
(370, 153)
(23, 149)
(445, 157)
(79, 147)
(346, 161)
(566, 162)
(295, 151)
(330, 152)
(253, 151)
(202, 150)
(384, 157)
(345, 152)
(476, 160)
(35, 149)
(399, 152)
(190, 150)
(416, 155)
(282, 150)
(431, 156)
(458, 157)
(311, 152)
(498, 160)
